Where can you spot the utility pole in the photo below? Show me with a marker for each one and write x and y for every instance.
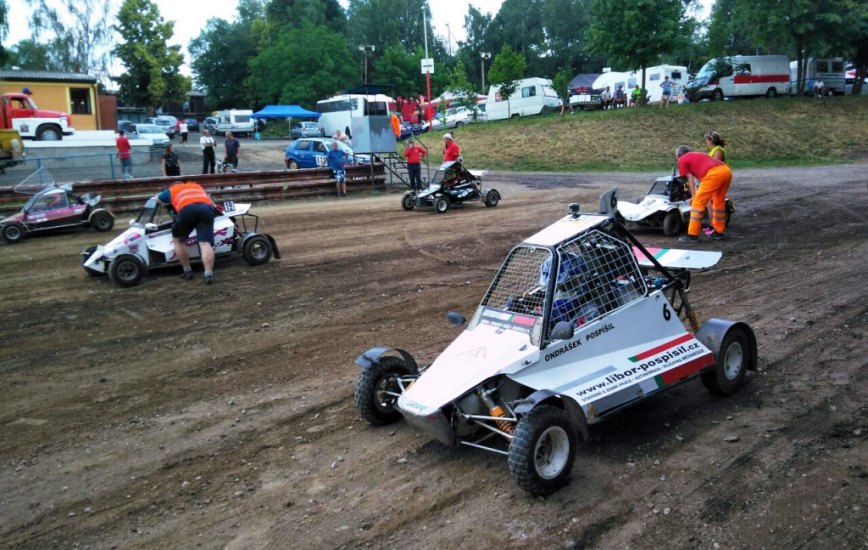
(483, 56)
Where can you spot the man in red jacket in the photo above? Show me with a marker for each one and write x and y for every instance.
(714, 177)
(413, 153)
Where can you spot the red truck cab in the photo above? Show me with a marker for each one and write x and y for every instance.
(18, 111)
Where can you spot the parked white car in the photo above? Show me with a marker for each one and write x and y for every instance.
(455, 117)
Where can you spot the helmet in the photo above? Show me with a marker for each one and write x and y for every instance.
(571, 266)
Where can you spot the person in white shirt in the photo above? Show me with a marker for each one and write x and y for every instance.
(208, 155)
(185, 131)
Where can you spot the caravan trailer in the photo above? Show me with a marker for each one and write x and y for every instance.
(653, 77)
(237, 121)
(741, 76)
(532, 97)
(830, 71)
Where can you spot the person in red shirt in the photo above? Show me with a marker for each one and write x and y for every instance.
(125, 156)
(413, 153)
(451, 150)
(714, 177)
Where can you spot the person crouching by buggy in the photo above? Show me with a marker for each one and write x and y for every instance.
(337, 160)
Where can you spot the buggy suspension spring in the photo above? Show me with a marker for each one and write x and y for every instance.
(496, 410)
(689, 312)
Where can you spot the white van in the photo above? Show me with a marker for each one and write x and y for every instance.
(237, 121)
(830, 71)
(532, 97)
(741, 76)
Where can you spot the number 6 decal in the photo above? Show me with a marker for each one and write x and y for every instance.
(666, 313)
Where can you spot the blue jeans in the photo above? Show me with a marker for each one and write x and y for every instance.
(126, 168)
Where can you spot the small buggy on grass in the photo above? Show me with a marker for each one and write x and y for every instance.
(147, 244)
(580, 322)
(666, 206)
(453, 184)
(53, 207)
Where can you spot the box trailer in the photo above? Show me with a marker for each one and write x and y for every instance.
(531, 97)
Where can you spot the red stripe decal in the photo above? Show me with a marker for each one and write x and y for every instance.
(663, 347)
(686, 369)
(756, 79)
(526, 321)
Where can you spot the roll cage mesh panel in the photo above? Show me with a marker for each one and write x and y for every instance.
(517, 286)
(597, 274)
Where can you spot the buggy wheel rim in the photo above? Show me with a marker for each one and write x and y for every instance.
(127, 270)
(13, 232)
(733, 361)
(258, 250)
(551, 453)
(384, 395)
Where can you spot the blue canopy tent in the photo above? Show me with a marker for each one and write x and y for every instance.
(284, 111)
(288, 112)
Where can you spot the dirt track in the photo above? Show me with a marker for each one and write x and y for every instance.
(175, 415)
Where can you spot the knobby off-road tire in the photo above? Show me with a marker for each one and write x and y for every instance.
(729, 371)
(408, 201)
(542, 450)
(672, 223)
(13, 232)
(256, 250)
(102, 221)
(126, 270)
(374, 404)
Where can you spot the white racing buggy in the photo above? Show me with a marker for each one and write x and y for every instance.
(666, 206)
(147, 244)
(580, 322)
(453, 184)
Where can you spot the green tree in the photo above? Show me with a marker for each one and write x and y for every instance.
(276, 76)
(153, 75)
(460, 86)
(290, 13)
(401, 69)
(30, 55)
(561, 83)
(79, 31)
(220, 56)
(637, 33)
(507, 70)
(4, 28)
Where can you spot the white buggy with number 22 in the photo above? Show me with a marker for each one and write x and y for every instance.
(580, 322)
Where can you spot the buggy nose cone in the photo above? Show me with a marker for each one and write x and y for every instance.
(432, 422)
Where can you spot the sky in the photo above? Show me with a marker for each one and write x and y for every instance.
(190, 16)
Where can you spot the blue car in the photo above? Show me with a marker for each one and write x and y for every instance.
(311, 153)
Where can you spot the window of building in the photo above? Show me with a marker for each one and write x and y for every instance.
(79, 98)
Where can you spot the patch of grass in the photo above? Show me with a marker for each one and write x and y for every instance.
(759, 133)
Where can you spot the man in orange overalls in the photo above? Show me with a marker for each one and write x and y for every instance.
(194, 209)
(714, 177)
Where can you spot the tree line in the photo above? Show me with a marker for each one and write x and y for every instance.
(300, 51)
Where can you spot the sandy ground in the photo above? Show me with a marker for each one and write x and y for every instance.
(175, 415)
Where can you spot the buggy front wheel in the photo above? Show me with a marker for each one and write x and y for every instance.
(126, 270)
(672, 223)
(542, 450)
(378, 389)
(408, 201)
(441, 205)
(13, 232)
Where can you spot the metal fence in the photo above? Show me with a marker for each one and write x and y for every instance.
(74, 168)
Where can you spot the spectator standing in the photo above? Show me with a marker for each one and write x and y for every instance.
(125, 155)
(208, 155)
(233, 149)
(337, 160)
(451, 151)
(195, 211)
(413, 153)
(184, 131)
(667, 91)
(171, 162)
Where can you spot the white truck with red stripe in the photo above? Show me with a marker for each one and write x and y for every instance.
(740, 76)
(580, 322)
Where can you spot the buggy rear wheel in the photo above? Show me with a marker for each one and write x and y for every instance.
(542, 450)
(730, 367)
(408, 201)
(256, 250)
(492, 197)
(13, 232)
(441, 205)
(126, 270)
(85, 256)
(378, 389)
(672, 223)
(730, 210)
(102, 221)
